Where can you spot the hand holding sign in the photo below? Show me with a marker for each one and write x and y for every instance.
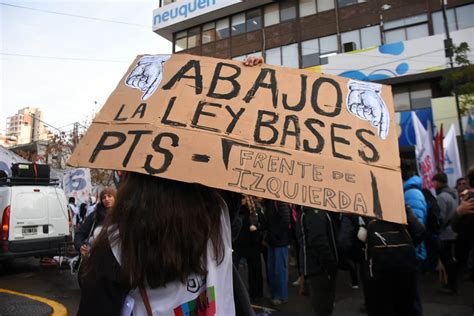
(147, 74)
(364, 101)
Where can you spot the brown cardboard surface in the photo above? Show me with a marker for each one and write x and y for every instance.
(255, 130)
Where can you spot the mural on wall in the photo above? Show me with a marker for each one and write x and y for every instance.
(395, 59)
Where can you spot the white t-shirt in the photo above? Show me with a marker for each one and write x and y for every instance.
(202, 295)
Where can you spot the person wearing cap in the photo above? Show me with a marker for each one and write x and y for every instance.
(448, 202)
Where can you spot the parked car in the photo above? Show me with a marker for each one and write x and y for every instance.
(34, 215)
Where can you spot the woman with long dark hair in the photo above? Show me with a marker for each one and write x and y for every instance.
(165, 249)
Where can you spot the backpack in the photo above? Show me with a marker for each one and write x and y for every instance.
(433, 213)
(389, 247)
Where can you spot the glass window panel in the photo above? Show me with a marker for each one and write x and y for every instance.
(370, 36)
(310, 52)
(254, 20)
(208, 33)
(324, 5)
(438, 22)
(387, 25)
(271, 14)
(350, 37)
(465, 15)
(328, 44)
(307, 7)
(181, 41)
(273, 56)
(395, 36)
(417, 31)
(420, 95)
(255, 54)
(194, 37)
(287, 10)
(222, 29)
(238, 24)
(401, 98)
(290, 55)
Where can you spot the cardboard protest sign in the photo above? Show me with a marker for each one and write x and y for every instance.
(279, 133)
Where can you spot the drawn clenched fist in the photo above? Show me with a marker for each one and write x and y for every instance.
(147, 74)
(364, 101)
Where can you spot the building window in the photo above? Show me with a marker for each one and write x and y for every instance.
(238, 24)
(343, 3)
(222, 29)
(209, 33)
(458, 18)
(194, 37)
(166, 2)
(271, 15)
(310, 53)
(307, 7)
(273, 56)
(287, 10)
(283, 56)
(181, 41)
(254, 20)
(412, 97)
(361, 38)
(406, 29)
(289, 56)
(325, 5)
(315, 52)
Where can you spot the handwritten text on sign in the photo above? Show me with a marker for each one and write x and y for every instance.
(278, 133)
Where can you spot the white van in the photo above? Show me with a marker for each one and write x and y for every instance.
(35, 220)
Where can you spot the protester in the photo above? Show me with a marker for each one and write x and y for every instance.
(462, 185)
(462, 222)
(72, 209)
(82, 214)
(318, 240)
(165, 249)
(92, 205)
(247, 245)
(277, 238)
(94, 222)
(448, 202)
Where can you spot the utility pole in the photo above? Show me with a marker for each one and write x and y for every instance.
(75, 135)
(448, 48)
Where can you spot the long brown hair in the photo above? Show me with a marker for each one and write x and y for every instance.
(164, 227)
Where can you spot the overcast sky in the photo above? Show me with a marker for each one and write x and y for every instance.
(78, 61)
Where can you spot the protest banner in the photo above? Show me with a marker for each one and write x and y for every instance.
(452, 161)
(424, 152)
(77, 183)
(279, 133)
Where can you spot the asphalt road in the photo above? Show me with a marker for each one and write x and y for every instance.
(59, 285)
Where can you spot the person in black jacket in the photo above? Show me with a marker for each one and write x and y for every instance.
(317, 233)
(247, 245)
(277, 239)
(84, 236)
(391, 293)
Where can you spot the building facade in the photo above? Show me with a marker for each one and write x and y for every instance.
(396, 42)
(26, 126)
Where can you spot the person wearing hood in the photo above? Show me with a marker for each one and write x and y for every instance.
(448, 202)
(416, 200)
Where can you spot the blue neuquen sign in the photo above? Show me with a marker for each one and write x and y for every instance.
(181, 11)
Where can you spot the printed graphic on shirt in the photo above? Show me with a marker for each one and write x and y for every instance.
(195, 284)
(203, 305)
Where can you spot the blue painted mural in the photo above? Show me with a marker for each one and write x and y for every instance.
(393, 49)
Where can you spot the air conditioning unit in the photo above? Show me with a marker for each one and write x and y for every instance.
(349, 47)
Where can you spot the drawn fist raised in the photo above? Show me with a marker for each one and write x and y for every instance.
(364, 101)
(147, 74)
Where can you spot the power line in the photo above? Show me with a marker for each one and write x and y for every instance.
(65, 58)
(74, 15)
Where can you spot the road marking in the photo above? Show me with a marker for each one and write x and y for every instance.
(58, 309)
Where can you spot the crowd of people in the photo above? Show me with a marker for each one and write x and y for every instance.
(202, 240)
(164, 247)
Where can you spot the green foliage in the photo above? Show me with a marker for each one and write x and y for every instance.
(461, 80)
